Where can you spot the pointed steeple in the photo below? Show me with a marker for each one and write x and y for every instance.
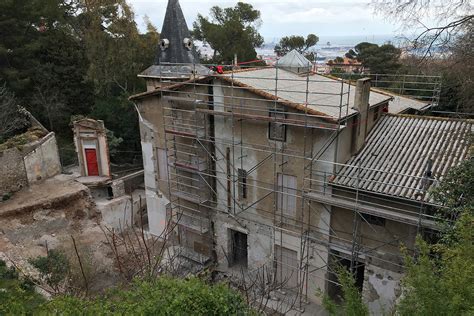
(176, 45)
(176, 56)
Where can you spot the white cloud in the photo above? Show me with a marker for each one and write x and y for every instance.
(286, 17)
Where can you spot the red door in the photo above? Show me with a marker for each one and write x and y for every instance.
(91, 158)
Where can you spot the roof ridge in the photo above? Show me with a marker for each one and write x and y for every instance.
(429, 117)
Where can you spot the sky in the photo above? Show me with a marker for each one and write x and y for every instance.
(324, 18)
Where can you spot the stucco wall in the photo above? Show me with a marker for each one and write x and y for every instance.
(121, 212)
(43, 161)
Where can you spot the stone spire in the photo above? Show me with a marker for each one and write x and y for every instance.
(176, 45)
(176, 56)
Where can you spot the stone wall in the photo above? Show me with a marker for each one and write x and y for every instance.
(34, 162)
(12, 170)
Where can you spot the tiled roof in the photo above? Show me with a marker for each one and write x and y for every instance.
(398, 151)
(325, 94)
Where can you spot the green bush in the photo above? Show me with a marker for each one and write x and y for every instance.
(17, 296)
(164, 296)
(53, 268)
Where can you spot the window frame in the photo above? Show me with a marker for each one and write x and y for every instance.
(242, 182)
(277, 113)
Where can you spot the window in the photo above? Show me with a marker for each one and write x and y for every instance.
(242, 184)
(276, 130)
(287, 196)
(374, 220)
(238, 251)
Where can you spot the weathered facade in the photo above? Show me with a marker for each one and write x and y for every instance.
(241, 169)
(90, 139)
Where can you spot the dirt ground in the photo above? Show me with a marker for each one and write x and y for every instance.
(45, 216)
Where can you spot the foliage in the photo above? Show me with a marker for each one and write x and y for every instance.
(444, 272)
(116, 50)
(456, 191)
(448, 18)
(352, 304)
(12, 120)
(69, 57)
(299, 43)
(230, 31)
(337, 71)
(164, 296)
(383, 59)
(441, 273)
(53, 268)
(17, 297)
(120, 116)
(457, 94)
(31, 135)
(42, 61)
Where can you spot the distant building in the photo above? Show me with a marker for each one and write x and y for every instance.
(348, 65)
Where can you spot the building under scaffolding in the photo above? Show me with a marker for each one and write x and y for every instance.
(282, 168)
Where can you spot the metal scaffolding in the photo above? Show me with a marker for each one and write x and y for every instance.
(208, 173)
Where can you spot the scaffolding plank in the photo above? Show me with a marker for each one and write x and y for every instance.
(179, 133)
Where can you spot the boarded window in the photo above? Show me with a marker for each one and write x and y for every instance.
(287, 196)
(242, 184)
(162, 164)
(287, 267)
(277, 130)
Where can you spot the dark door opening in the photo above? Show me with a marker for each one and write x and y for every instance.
(334, 290)
(239, 250)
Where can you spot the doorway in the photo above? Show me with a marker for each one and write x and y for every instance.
(286, 267)
(91, 161)
(358, 268)
(239, 249)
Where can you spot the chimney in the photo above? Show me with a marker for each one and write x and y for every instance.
(361, 104)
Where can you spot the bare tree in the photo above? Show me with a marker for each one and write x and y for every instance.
(50, 101)
(450, 19)
(264, 291)
(12, 118)
(140, 254)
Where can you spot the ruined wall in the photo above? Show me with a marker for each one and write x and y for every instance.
(381, 289)
(122, 212)
(34, 162)
(12, 170)
(43, 161)
(386, 239)
(380, 253)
